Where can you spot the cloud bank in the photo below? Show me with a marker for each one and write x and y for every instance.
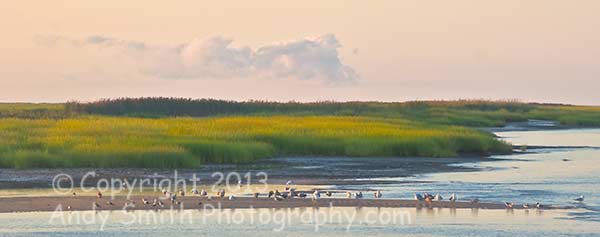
(309, 58)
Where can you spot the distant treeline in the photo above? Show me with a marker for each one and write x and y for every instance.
(473, 113)
(164, 106)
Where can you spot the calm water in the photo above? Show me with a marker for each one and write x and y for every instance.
(543, 176)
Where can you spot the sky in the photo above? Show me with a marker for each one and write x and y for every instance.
(309, 50)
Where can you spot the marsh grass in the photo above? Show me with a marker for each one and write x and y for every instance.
(100, 141)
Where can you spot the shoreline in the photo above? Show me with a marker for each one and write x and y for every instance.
(86, 203)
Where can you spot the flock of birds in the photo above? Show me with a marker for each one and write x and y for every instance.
(290, 193)
(426, 197)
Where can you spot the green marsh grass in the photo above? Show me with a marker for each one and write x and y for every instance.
(102, 141)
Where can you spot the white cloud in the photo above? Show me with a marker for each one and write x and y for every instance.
(309, 58)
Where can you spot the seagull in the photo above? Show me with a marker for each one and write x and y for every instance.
(316, 195)
(538, 205)
(508, 205)
(438, 197)
(418, 197)
(378, 194)
(452, 198)
(579, 199)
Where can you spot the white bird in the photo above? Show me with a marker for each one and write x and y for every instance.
(452, 198)
(419, 197)
(438, 197)
(316, 195)
(231, 197)
(538, 205)
(579, 199)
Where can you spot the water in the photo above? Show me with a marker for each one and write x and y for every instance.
(549, 176)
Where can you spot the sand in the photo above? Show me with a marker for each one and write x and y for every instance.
(29, 204)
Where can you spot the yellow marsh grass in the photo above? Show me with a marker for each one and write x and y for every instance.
(189, 142)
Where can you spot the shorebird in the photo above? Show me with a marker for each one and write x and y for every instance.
(222, 194)
(289, 182)
(96, 205)
(419, 197)
(348, 194)
(271, 193)
(240, 183)
(328, 194)
(203, 193)
(99, 195)
(438, 197)
(302, 195)
(508, 205)
(194, 191)
(316, 195)
(475, 201)
(160, 203)
(231, 197)
(579, 199)
(358, 195)
(174, 198)
(145, 201)
(181, 193)
(452, 198)
(164, 192)
(110, 203)
(525, 205)
(69, 207)
(277, 193)
(256, 195)
(538, 205)
(278, 198)
(378, 194)
(74, 194)
(154, 202)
